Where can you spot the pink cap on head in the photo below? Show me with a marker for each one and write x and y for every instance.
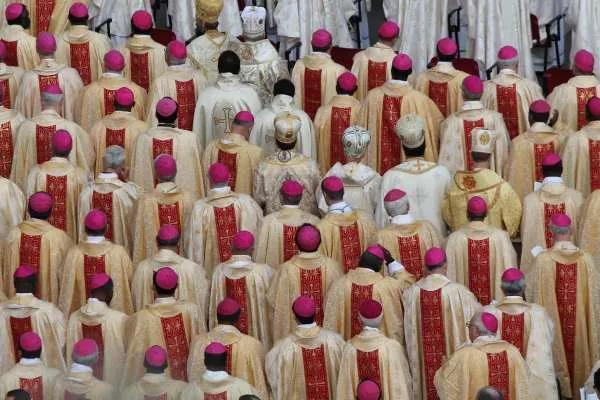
(435, 256)
(490, 321)
(304, 307)
(370, 309)
(347, 81)
(166, 107)
(30, 341)
(388, 30)
(512, 275)
(394, 195)
(321, 38)
(540, 107)
(168, 232)
(402, 62)
(476, 206)
(368, 390)
(114, 60)
(473, 84)
(155, 356)
(292, 188)
(142, 20)
(177, 50)
(24, 272)
(95, 220)
(166, 278)
(245, 117)
(14, 11)
(53, 89)
(377, 251)
(584, 61)
(550, 159)
(215, 349)
(40, 202)
(507, 53)
(165, 165)
(78, 10)
(218, 173)
(333, 184)
(593, 106)
(98, 280)
(243, 240)
(561, 220)
(308, 237)
(124, 97)
(447, 47)
(62, 141)
(228, 306)
(85, 348)
(45, 43)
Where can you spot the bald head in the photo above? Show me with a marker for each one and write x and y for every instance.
(489, 393)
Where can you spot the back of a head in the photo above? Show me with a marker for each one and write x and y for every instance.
(597, 380)
(489, 393)
(114, 158)
(17, 394)
(249, 397)
(284, 86)
(229, 62)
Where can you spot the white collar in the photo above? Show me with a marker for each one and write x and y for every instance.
(403, 219)
(59, 159)
(290, 206)
(397, 82)
(307, 326)
(246, 260)
(94, 239)
(341, 207)
(93, 300)
(552, 179)
(507, 71)
(472, 105)
(112, 75)
(513, 297)
(164, 300)
(215, 376)
(24, 294)
(366, 269)
(368, 328)
(30, 361)
(222, 189)
(77, 368)
(108, 175)
(320, 54)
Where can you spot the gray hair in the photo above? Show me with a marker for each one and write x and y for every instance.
(559, 230)
(87, 360)
(114, 157)
(489, 393)
(513, 288)
(371, 323)
(508, 64)
(51, 99)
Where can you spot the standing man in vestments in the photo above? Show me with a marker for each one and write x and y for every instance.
(510, 93)
(372, 355)
(582, 18)
(385, 105)
(425, 182)
(407, 238)
(436, 310)
(49, 72)
(20, 45)
(442, 82)
(38, 244)
(106, 326)
(332, 120)
(61, 180)
(305, 364)
(217, 218)
(528, 327)
(564, 281)
(276, 242)
(455, 131)
(180, 81)
(82, 48)
(12, 209)
(487, 361)
(25, 312)
(246, 354)
(218, 104)
(233, 150)
(10, 121)
(479, 253)
(120, 12)
(10, 78)
(553, 197)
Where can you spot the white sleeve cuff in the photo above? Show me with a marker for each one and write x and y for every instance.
(394, 267)
(537, 250)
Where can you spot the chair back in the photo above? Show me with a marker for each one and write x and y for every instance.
(344, 56)
(162, 36)
(556, 76)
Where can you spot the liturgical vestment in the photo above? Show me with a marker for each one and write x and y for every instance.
(372, 67)
(83, 385)
(580, 156)
(10, 80)
(589, 229)
(154, 386)
(144, 60)
(204, 52)
(570, 99)
(442, 83)
(13, 208)
(225, 387)
(32, 376)
(20, 47)
(10, 121)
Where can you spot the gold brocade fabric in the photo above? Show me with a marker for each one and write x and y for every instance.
(154, 385)
(12, 379)
(447, 74)
(378, 53)
(204, 52)
(231, 386)
(27, 56)
(579, 159)
(589, 229)
(143, 44)
(12, 208)
(566, 98)
(85, 385)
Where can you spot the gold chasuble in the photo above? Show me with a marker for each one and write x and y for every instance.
(382, 108)
(240, 157)
(204, 52)
(10, 81)
(571, 98)
(24, 313)
(20, 47)
(219, 388)
(306, 274)
(589, 229)
(87, 259)
(96, 321)
(77, 385)
(13, 208)
(442, 84)
(245, 356)
(564, 280)
(154, 386)
(40, 246)
(10, 121)
(504, 206)
(33, 377)
(372, 355)
(305, 364)
(478, 254)
(436, 312)
(486, 362)
(144, 60)
(167, 323)
(581, 159)
(372, 67)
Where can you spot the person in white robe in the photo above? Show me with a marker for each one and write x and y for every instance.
(182, 15)
(230, 20)
(120, 11)
(583, 18)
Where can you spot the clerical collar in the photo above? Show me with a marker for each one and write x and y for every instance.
(215, 376)
(369, 328)
(340, 207)
(24, 294)
(94, 239)
(166, 125)
(472, 105)
(397, 82)
(222, 189)
(30, 361)
(307, 326)
(241, 261)
(108, 175)
(507, 71)
(93, 300)
(309, 254)
(164, 300)
(513, 298)
(140, 36)
(290, 206)
(59, 159)
(79, 368)
(403, 219)
(109, 74)
(552, 179)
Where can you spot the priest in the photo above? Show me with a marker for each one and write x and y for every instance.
(20, 45)
(13, 207)
(120, 13)
(10, 121)
(10, 78)
(310, 273)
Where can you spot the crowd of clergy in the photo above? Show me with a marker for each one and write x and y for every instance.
(199, 222)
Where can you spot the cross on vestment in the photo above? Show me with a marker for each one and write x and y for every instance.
(227, 118)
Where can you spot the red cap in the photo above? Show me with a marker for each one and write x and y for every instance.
(321, 38)
(78, 10)
(394, 195)
(166, 107)
(473, 84)
(507, 53)
(124, 97)
(593, 106)
(228, 306)
(370, 309)
(165, 165)
(23, 272)
(388, 30)
(402, 62)
(292, 188)
(166, 278)
(30, 341)
(62, 141)
(477, 206)
(243, 240)
(114, 60)
(95, 220)
(540, 107)
(447, 47)
(584, 61)
(550, 159)
(98, 280)
(156, 356)
(561, 220)
(304, 307)
(347, 81)
(177, 50)
(14, 11)
(368, 390)
(45, 43)
(40, 202)
(168, 232)
(218, 173)
(53, 89)
(215, 349)
(377, 251)
(244, 117)
(333, 184)
(490, 321)
(85, 348)
(435, 256)
(308, 237)
(512, 275)
(142, 20)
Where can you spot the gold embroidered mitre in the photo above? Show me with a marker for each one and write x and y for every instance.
(208, 10)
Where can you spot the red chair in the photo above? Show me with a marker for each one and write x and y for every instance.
(556, 76)
(466, 65)
(344, 56)
(162, 36)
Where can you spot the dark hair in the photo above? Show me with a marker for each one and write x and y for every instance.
(62, 154)
(160, 291)
(334, 196)
(476, 217)
(370, 261)
(37, 215)
(138, 31)
(443, 57)
(321, 49)
(339, 90)
(167, 243)
(18, 394)
(229, 62)
(479, 157)
(291, 200)
(119, 107)
(597, 379)
(30, 354)
(401, 75)
(489, 393)
(229, 319)
(552, 170)
(432, 268)
(249, 397)
(215, 360)
(284, 86)
(418, 151)
(23, 19)
(156, 370)
(539, 117)
(25, 285)
(78, 20)
(169, 119)
(103, 290)
(305, 320)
